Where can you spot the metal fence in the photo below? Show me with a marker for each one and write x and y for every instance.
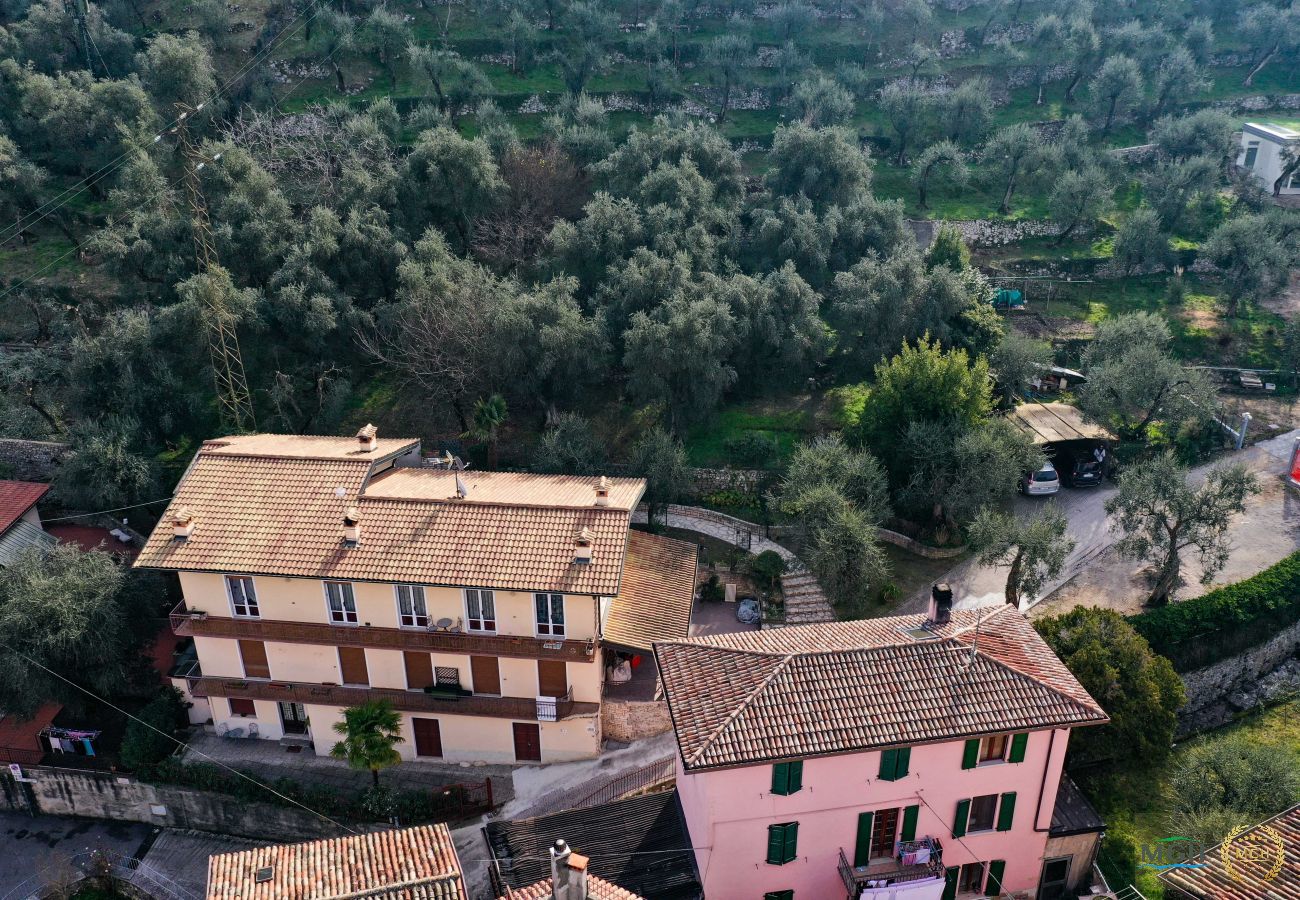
(658, 772)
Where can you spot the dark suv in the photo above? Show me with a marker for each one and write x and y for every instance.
(1078, 467)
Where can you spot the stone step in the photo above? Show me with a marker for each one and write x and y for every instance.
(806, 600)
(799, 578)
(802, 590)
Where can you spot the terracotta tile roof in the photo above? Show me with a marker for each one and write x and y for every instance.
(844, 687)
(283, 515)
(305, 446)
(1242, 868)
(506, 488)
(654, 600)
(597, 889)
(16, 497)
(405, 864)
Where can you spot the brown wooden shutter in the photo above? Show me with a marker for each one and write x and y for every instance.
(486, 673)
(352, 660)
(552, 678)
(253, 653)
(419, 669)
(428, 736)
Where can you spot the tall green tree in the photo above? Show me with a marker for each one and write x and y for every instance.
(1160, 516)
(1251, 257)
(679, 355)
(1034, 549)
(570, 447)
(1080, 198)
(1136, 687)
(370, 734)
(1115, 89)
(490, 414)
(939, 156)
(826, 165)
(1016, 361)
(907, 110)
(1015, 153)
(1225, 782)
(659, 458)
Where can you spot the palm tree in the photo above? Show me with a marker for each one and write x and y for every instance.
(489, 416)
(370, 732)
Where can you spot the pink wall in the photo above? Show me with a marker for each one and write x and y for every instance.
(728, 812)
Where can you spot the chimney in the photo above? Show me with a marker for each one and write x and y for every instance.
(568, 873)
(352, 526)
(182, 524)
(582, 545)
(366, 438)
(602, 491)
(940, 612)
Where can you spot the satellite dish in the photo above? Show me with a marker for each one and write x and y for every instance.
(461, 490)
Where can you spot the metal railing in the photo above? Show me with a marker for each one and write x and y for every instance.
(540, 709)
(856, 877)
(191, 623)
(1129, 893)
(616, 788)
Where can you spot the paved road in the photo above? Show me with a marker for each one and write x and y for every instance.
(977, 585)
(39, 851)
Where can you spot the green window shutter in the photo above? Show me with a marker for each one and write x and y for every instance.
(1018, 743)
(862, 849)
(959, 821)
(950, 883)
(909, 823)
(796, 775)
(996, 870)
(888, 761)
(904, 760)
(791, 842)
(971, 756)
(1006, 811)
(779, 895)
(787, 777)
(775, 844)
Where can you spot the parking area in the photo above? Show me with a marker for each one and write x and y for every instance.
(50, 850)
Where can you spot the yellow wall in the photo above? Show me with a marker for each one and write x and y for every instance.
(303, 600)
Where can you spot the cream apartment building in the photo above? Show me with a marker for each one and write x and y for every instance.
(320, 572)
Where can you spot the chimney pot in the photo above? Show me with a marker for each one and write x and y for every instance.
(602, 491)
(366, 437)
(940, 612)
(352, 525)
(182, 523)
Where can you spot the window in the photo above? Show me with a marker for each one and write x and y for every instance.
(240, 706)
(787, 778)
(972, 877)
(782, 843)
(243, 599)
(982, 810)
(894, 763)
(550, 614)
(342, 603)
(779, 895)
(993, 748)
(1252, 153)
(480, 610)
(411, 609)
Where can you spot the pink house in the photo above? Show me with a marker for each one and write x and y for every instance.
(907, 758)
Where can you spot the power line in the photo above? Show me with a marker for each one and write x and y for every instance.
(179, 742)
(103, 512)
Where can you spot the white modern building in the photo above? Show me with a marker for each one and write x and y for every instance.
(1268, 151)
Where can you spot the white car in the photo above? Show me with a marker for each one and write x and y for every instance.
(1041, 483)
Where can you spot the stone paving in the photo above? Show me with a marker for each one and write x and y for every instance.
(269, 760)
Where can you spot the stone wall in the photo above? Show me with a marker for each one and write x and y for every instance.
(710, 481)
(30, 460)
(914, 546)
(1262, 674)
(633, 720)
(99, 795)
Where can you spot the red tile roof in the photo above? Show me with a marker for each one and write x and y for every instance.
(597, 889)
(21, 734)
(844, 687)
(263, 513)
(404, 864)
(1259, 863)
(16, 497)
(654, 600)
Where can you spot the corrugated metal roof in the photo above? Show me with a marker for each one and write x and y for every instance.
(21, 536)
(1050, 423)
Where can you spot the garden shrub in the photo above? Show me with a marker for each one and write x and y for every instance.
(767, 568)
(756, 449)
(1225, 621)
(143, 746)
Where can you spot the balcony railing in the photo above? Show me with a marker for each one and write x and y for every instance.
(893, 872)
(191, 623)
(541, 710)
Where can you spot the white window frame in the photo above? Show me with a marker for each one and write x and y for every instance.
(351, 594)
(470, 619)
(416, 595)
(255, 606)
(552, 629)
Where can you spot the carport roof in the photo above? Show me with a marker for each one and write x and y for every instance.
(1050, 423)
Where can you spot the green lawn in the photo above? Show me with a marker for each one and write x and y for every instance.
(787, 420)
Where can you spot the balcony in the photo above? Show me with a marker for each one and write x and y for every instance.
(527, 708)
(191, 623)
(894, 878)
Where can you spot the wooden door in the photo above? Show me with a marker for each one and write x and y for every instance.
(428, 737)
(419, 669)
(552, 678)
(528, 742)
(486, 672)
(253, 653)
(352, 662)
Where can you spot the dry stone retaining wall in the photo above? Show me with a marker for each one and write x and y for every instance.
(1267, 672)
(31, 460)
(634, 720)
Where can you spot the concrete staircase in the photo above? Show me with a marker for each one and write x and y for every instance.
(804, 601)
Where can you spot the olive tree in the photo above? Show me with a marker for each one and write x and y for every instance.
(1034, 549)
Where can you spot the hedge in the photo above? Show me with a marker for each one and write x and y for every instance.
(1225, 621)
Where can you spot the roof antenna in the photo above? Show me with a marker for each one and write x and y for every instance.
(975, 644)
